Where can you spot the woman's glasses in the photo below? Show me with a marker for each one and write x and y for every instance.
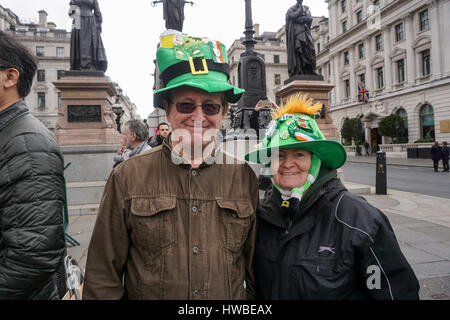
(189, 107)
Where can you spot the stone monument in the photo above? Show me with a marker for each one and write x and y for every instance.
(252, 78)
(86, 128)
(302, 66)
(87, 96)
(173, 13)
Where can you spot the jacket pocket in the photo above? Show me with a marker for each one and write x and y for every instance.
(235, 216)
(320, 278)
(154, 222)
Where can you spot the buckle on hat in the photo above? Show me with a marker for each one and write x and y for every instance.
(194, 70)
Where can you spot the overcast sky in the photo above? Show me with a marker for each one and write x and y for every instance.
(131, 31)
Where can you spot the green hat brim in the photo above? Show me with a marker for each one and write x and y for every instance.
(331, 153)
(211, 82)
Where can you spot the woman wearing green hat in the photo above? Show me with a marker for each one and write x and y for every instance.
(315, 239)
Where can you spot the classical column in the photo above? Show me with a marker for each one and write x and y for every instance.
(337, 80)
(333, 81)
(353, 91)
(387, 45)
(435, 40)
(410, 53)
(369, 72)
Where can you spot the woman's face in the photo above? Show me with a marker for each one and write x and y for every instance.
(290, 169)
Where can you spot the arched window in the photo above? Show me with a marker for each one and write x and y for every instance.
(427, 122)
(402, 113)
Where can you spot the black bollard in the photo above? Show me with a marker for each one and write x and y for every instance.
(381, 178)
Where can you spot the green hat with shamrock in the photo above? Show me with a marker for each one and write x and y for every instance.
(195, 62)
(294, 127)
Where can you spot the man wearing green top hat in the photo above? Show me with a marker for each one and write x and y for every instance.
(179, 221)
(315, 239)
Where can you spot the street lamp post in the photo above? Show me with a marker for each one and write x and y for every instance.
(119, 112)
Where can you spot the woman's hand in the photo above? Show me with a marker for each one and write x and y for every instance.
(260, 105)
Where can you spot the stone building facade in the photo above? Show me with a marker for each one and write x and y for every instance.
(399, 50)
(51, 47)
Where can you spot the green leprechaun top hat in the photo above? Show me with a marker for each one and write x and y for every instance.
(195, 62)
(294, 127)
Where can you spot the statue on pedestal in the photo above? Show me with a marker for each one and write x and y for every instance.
(173, 13)
(86, 45)
(300, 46)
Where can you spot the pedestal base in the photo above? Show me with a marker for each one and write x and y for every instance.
(318, 90)
(85, 115)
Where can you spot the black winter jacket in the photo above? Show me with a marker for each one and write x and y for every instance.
(32, 239)
(334, 245)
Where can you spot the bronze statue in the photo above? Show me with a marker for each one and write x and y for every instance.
(300, 46)
(173, 13)
(86, 45)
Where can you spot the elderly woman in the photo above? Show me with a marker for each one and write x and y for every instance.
(316, 240)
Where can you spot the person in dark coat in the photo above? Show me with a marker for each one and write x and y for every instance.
(32, 240)
(86, 46)
(445, 155)
(315, 239)
(163, 132)
(436, 155)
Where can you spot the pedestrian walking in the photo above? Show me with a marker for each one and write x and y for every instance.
(316, 240)
(32, 241)
(445, 155)
(367, 147)
(436, 155)
(179, 221)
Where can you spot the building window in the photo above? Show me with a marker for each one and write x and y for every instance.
(362, 78)
(380, 78)
(376, 3)
(278, 100)
(402, 114)
(344, 26)
(40, 51)
(318, 47)
(378, 43)
(344, 6)
(401, 71)
(359, 16)
(346, 58)
(41, 100)
(424, 21)
(60, 74)
(347, 88)
(361, 50)
(41, 75)
(60, 52)
(426, 63)
(277, 79)
(427, 121)
(276, 58)
(319, 70)
(399, 32)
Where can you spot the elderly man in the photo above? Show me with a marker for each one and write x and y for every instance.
(174, 223)
(32, 241)
(135, 135)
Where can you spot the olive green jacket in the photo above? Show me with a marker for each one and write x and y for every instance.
(173, 232)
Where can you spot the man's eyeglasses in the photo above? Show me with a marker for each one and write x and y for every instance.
(209, 109)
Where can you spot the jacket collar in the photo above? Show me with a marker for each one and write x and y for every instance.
(13, 112)
(178, 157)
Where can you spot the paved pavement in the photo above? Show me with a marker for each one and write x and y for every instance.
(428, 163)
(421, 224)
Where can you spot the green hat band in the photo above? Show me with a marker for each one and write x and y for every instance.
(194, 62)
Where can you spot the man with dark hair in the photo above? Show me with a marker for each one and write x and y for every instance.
(32, 241)
(163, 132)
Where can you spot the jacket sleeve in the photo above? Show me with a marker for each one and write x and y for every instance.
(31, 215)
(109, 246)
(249, 246)
(382, 268)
